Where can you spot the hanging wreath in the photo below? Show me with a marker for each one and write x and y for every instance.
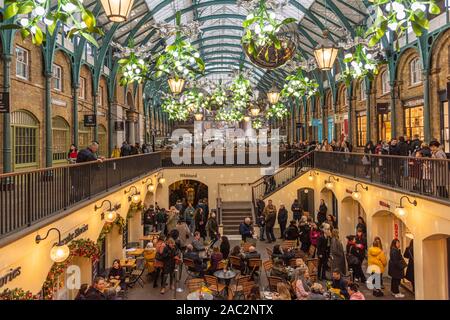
(17, 294)
(35, 13)
(298, 85)
(78, 248)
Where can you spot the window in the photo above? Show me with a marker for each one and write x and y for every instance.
(57, 77)
(362, 92)
(85, 135)
(414, 122)
(25, 130)
(445, 127)
(22, 62)
(82, 89)
(361, 134)
(416, 71)
(385, 85)
(60, 131)
(384, 126)
(345, 97)
(102, 141)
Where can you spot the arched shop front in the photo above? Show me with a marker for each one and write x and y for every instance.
(351, 210)
(331, 202)
(190, 190)
(306, 199)
(436, 266)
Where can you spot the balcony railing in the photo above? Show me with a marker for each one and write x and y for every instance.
(29, 197)
(424, 176)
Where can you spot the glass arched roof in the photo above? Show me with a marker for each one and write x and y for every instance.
(221, 25)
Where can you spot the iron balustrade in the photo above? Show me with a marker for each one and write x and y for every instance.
(29, 197)
(423, 176)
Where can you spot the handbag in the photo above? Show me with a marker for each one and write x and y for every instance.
(365, 161)
(352, 260)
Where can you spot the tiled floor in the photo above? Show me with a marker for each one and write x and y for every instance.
(150, 293)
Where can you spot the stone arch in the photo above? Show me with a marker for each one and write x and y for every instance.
(190, 189)
(404, 60)
(435, 260)
(306, 200)
(331, 201)
(386, 225)
(350, 211)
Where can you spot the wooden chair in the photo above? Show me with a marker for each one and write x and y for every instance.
(194, 284)
(267, 265)
(190, 269)
(254, 266)
(221, 265)
(235, 263)
(289, 244)
(213, 284)
(238, 289)
(269, 253)
(273, 283)
(149, 256)
(136, 274)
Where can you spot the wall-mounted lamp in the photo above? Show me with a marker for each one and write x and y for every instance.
(110, 214)
(401, 210)
(151, 186)
(60, 251)
(135, 196)
(312, 173)
(356, 195)
(161, 179)
(330, 184)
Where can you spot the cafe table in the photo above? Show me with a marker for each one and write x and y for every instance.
(196, 296)
(135, 252)
(113, 283)
(226, 276)
(128, 263)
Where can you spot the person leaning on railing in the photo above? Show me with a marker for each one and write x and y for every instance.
(89, 154)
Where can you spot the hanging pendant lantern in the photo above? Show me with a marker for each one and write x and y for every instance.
(176, 85)
(326, 53)
(117, 10)
(273, 95)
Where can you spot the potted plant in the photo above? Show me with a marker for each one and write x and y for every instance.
(27, 16)
(265, 41)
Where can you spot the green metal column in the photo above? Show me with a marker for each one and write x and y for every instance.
(426, 106)
(368, 111)
(94, 96)
(145, 119)
(111, 119)
(7, 150)
(350, 114)
(48, 120)
(75, 89)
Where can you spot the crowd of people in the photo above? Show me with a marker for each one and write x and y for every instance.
(318, 237)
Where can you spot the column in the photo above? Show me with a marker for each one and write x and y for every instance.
(75, 91)
(94, 96)
(7, 150)
(426, 105)
(48, 120)
(350, 114)
(368, 111)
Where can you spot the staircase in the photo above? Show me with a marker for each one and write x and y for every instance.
(232, 214)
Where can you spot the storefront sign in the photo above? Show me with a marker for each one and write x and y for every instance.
(385, 204)
(59, 103)
(10, 276)
(383, 108)
(4, 102)
(90, 120)
(186, 175)
(413, 103)
(119, 126)
(75, 233)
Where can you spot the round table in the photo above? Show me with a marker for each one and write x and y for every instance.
(196, 296)
(226, 277)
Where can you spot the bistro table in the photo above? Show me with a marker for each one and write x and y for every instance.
(196, 296)
(128, 263)
(226, 276)
(134, 252)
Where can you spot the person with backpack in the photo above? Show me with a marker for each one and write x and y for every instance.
(161, 220)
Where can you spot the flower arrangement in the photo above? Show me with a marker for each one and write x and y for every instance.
(298, 85)
(179, 60)
(260, 30)
(257, 123)
(78, 248)
(398, 15)
(194, 100)
(218, 97)
(132, 69)
(277, 111)
(17, 294)
(28, 15)
(241, 91)
(229, 114)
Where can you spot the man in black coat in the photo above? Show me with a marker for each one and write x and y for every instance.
(246, 229)
(323, 252)
(96, 291)
(270, 217)
(292, 232)
(282, 220)
(89, 154)
(415, 144)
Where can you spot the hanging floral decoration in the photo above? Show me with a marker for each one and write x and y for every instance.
(229, 114)
(17, 294)
(277, 111)
(134, 207)
(134, 62)
(175, 108)
(257, 123)
(179, 60)
(218, 97)
(399, 15)
(30, 15)
(195, 100)
(119, 222)
(298, 85)
(78, 248)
